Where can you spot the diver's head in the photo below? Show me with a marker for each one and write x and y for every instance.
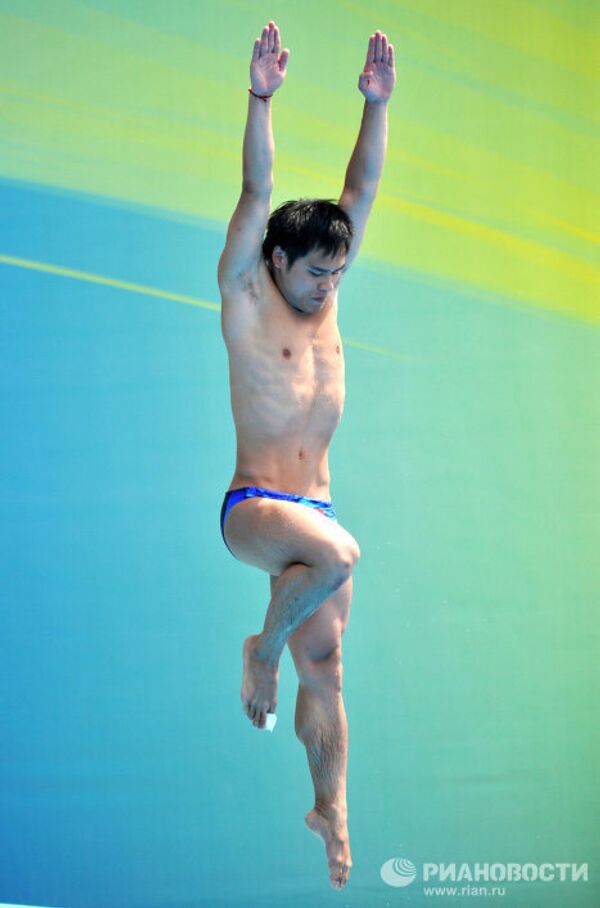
(305, 248)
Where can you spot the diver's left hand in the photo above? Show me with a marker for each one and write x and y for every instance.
(377, 80)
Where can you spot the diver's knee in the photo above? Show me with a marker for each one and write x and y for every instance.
(341, 562)
(325, 673)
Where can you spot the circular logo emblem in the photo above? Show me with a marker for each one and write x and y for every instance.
(398, 872)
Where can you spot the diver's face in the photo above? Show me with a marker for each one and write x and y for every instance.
(311, 281)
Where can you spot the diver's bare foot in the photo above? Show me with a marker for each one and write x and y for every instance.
(330, 825)
(259, 684)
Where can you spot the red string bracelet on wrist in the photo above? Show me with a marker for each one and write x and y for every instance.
(262, 97)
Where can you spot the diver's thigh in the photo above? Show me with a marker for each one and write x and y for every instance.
(271, 535)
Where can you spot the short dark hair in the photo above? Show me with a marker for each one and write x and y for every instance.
(306, 224)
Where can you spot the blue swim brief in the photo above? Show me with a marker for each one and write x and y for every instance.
(233, 496)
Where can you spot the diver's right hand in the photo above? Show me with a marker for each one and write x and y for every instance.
(268, 66)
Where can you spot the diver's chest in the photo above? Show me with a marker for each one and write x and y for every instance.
(300, 355)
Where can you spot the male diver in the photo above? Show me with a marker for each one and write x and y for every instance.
(279, 322)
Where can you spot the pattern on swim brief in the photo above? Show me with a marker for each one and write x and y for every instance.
(233, 496)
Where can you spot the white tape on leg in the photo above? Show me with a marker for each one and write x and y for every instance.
(271, 720)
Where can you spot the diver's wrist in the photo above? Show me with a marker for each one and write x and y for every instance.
(264, 98)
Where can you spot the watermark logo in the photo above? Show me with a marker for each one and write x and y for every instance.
(398, 872)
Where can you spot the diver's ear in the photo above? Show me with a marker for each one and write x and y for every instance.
(278, 257)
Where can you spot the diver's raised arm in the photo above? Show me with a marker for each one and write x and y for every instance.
(243, 246)
(376, 83)
(267, 72)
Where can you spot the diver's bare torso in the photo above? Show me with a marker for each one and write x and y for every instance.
(287, 387)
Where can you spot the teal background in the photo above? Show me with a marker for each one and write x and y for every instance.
(466, 463)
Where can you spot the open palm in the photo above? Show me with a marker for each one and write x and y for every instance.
(268, 66)
(377, 80)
